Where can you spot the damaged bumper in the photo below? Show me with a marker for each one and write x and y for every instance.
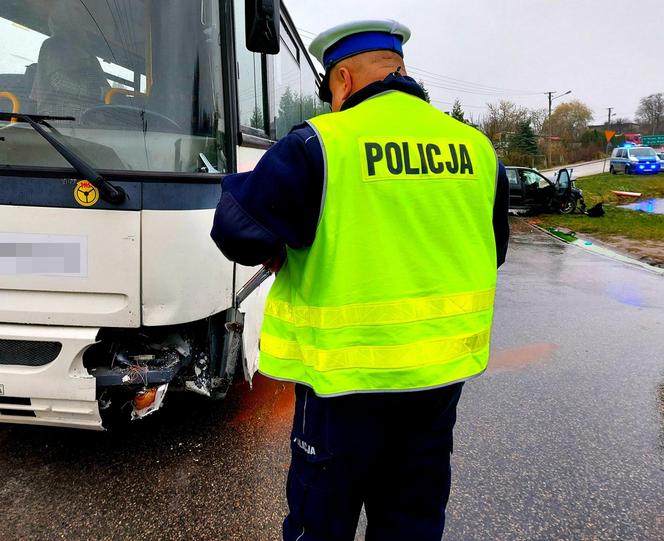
(42, 377)
(80, 377)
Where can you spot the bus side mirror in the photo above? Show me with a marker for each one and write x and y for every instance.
(262, 24)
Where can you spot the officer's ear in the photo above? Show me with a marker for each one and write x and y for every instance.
(347, 77)
(341, 86)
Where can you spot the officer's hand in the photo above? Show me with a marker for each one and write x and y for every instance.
(275, 263)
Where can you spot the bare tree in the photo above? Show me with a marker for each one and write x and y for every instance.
(474, 120)
(621, 125)
(537, 119)
(569, 121)
(503, 119)
(650, 113)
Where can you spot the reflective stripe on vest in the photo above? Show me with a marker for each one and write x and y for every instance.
(402, 311)
(397, 290)
(414, 354)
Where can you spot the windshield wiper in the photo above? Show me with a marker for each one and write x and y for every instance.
(113, 194)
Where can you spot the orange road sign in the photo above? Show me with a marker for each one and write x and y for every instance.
(609, 135)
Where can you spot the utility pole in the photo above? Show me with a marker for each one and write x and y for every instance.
(608, 142)
(551, 98)
(548, 146)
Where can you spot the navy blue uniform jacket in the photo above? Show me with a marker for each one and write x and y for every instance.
(279, 202)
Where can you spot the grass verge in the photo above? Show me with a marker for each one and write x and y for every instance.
(598, 188)
(616, 223)
(645, 231)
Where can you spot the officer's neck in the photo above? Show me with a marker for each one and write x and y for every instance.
(394, 81)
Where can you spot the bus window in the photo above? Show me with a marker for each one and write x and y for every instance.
(311, 103)
(18, 61)
(295, 83)
(250, 78)
(288, 92)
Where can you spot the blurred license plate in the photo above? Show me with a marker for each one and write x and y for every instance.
(59, 255)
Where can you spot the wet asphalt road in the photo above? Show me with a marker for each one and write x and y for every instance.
(581, 170)
(563, 438)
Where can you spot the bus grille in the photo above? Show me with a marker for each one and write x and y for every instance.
(16, 407)
(28, 352)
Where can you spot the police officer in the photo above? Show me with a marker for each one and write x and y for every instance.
(387, 219)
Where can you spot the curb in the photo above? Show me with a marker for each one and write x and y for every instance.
(603, 252)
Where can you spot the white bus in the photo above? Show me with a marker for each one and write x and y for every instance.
(118, 120)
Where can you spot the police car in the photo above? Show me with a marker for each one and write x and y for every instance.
(634, 161)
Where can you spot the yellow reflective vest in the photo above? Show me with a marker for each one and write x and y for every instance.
(396, 291)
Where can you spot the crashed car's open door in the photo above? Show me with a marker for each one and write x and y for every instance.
(563, 184)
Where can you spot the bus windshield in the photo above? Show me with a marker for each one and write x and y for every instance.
(141, 78)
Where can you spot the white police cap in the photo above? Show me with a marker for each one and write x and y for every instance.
(349, 39)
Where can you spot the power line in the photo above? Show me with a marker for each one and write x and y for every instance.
(463, 105)
(475, 88)
(305, 31)
(479, 92)
(460, 82)
(444, 82)
(471, 90)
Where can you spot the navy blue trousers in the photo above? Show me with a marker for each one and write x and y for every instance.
(388, 451)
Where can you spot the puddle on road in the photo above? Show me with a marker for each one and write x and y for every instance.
(649, 206)
(521, 357)
(626, 293)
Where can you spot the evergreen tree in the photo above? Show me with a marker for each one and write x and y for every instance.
(294, 108)
(426, 92)
(457, 111)
(524, 140)
(290, 112)
(256, 120)
(312, 106)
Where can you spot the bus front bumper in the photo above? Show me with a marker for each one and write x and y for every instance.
(42, 377)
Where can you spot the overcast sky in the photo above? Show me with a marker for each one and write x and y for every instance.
(609, 53)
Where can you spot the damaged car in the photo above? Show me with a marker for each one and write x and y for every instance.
(532, 192)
